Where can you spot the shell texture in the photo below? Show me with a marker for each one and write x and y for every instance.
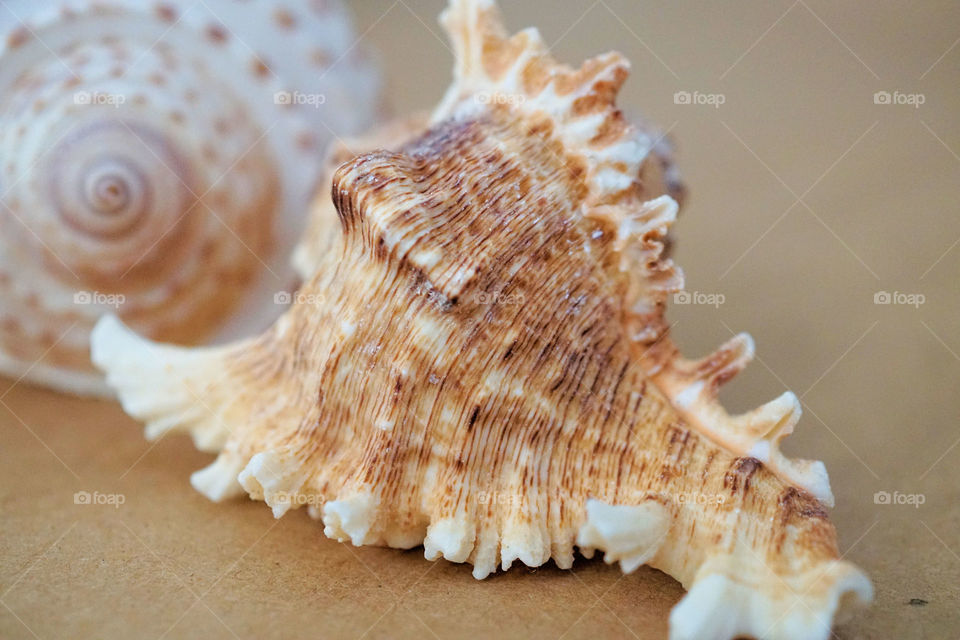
(156, 161)
(480, 363)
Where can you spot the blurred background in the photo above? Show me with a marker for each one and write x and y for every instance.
(820, 145)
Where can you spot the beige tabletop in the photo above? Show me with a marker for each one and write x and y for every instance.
(809, 197)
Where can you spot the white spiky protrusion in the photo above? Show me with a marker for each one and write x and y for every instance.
(520, 72)
(350, 518)
(693, 385)
(140, 372)
(218, 481)
(628, 534)
(761, 604)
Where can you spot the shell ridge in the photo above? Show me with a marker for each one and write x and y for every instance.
(692, 386)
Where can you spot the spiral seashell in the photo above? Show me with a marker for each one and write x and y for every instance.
(156, 161)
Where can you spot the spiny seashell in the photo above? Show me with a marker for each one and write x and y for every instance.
(480, 365)
(158, 158)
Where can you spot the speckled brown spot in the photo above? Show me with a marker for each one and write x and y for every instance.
(259, 68)
(741, 470)
(18, 37)
(284, 19)
(208, 250)
(11, 325)
(165, 12)
(306, 141)
(320, 57)
(797, 503)
(216, 33)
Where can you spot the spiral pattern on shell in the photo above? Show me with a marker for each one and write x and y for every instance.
(156, 161)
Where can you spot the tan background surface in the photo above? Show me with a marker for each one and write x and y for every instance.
(806, 199)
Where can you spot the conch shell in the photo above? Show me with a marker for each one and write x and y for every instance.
(156, 161)
(480, 365)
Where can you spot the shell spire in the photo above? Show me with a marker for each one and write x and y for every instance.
(492, 67)
(479, 363)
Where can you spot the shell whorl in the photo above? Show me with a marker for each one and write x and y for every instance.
(155, 161)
